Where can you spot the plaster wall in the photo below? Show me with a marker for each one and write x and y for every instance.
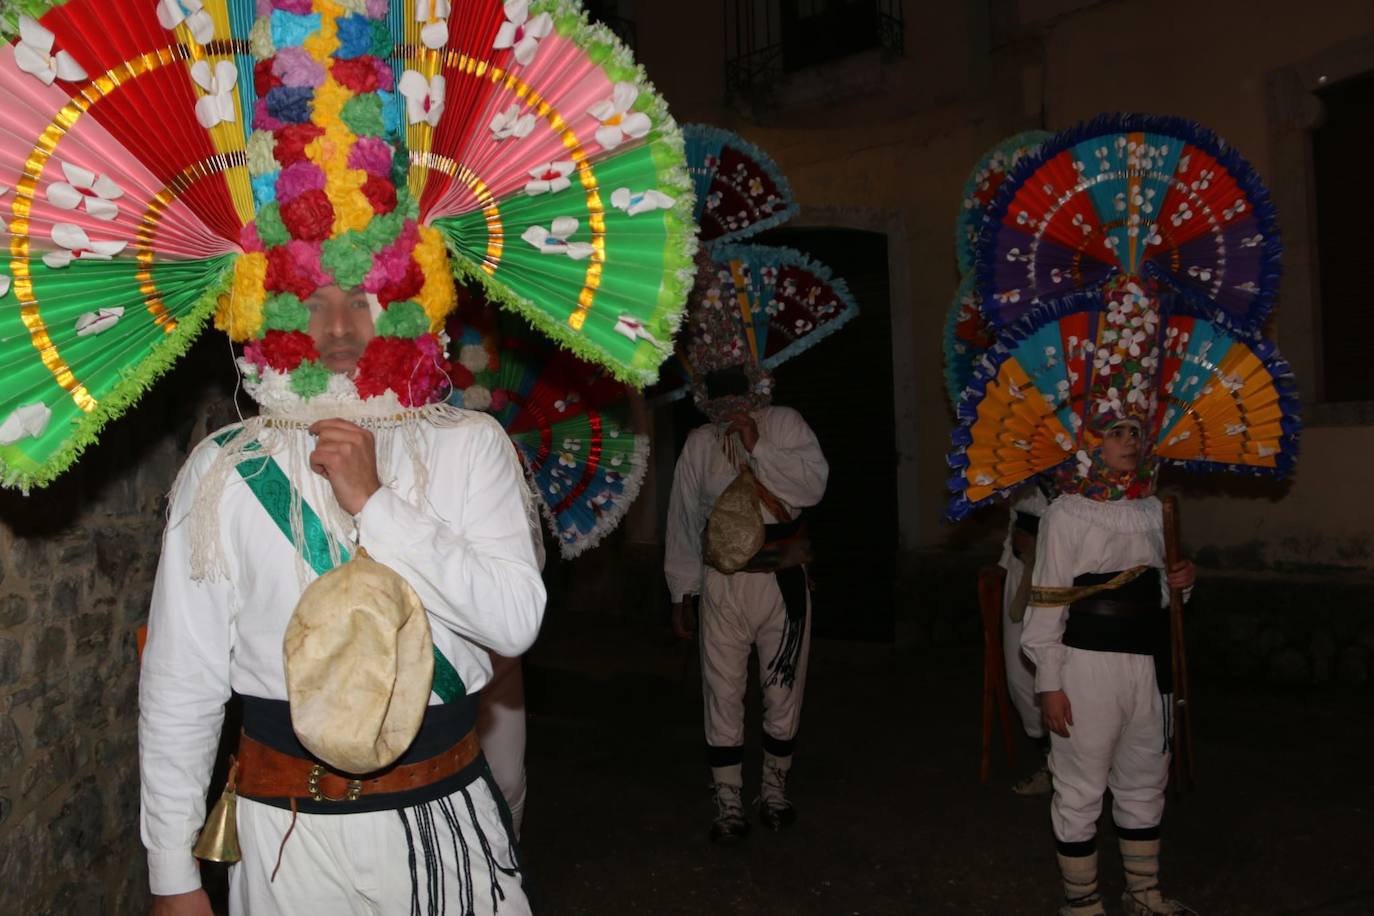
(889, 143)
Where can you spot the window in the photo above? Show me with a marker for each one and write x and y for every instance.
(1345, 237)
(766, 39)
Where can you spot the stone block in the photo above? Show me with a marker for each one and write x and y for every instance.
(30, 558)
(9, 661)
(115, 555)
(66, 599)
(14, 610)
(88, 689)
(1323, 651)
(1290, 667)
(1367, 636)
(21, 853)
(79, 828)
(134, 608)
(11, 746)
(75, 897)
(50, 652)
(91, 630)
(53, 726)
(1352, 666)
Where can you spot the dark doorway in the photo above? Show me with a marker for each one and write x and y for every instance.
(843, 387)
(1344, 236)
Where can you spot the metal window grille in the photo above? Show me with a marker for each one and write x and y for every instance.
(765, 39)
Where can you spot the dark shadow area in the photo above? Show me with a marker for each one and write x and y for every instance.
(893, 820)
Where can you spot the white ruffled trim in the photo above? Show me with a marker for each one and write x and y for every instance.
(272, 390)
(1124, 515)
(639, 467)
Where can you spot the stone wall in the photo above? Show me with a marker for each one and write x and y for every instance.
(77, 561)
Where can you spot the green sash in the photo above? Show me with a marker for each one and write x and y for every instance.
(273, 489)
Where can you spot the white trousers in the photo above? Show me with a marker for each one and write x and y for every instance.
(1020, 671)
(1117, 742)
(501, 728)
(359, 864)
(739, 611)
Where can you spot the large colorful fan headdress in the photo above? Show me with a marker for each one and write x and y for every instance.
(163, 161)
(967, 333)
(1143, 196)
(740, 191)
(1138, 340)
(753, 306)
(570, 421)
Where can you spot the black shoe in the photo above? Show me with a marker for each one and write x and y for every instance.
(727, 831)
(777, 817)
(730, 825)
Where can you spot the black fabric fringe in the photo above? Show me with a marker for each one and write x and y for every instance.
(425, 843)
(783, 667)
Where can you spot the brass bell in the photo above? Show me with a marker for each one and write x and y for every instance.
(219, 838)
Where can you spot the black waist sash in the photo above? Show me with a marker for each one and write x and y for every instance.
(269, 722)
(1128, 619)
(1024, 521)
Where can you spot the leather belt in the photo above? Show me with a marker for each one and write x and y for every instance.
(268, 773)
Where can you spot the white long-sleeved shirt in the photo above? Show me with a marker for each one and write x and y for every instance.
(466, 550)
(1080, 536)
(787, 460)
(1030, 500)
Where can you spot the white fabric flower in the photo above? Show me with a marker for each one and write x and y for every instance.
(476, 398)
(554, 240)
(77, 245)
(618, 122)
(521, 32)
(27, 421)
(172, 13)
(474, 358)
(99, 320)
(424, 98)
(85, 187)
(4, 285)
(634, 329)
(217, 105)
(511, 123)
(33, 54)
(643, 202)
(550, 178)
(434, 14)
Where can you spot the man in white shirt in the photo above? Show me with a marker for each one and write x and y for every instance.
(765, 605)
(429, 827)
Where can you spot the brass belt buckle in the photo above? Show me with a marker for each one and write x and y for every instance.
(312, 782)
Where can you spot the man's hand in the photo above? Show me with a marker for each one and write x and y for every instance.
(685, 618)
(747, 429)
(191, 903)
(346, 456)
(1056, 711)
(1182, 575)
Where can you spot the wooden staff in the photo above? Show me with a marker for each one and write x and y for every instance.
(1184, 777)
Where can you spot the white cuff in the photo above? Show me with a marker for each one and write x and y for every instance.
(172, 871)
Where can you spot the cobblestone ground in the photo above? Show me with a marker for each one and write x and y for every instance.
(893, 817)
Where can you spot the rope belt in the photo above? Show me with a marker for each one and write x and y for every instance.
(1056, 596)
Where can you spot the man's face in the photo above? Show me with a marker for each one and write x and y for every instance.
(340, 325)
(1121, 446)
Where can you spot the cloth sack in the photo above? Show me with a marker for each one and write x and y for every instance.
(734, 529)
(359, 665)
